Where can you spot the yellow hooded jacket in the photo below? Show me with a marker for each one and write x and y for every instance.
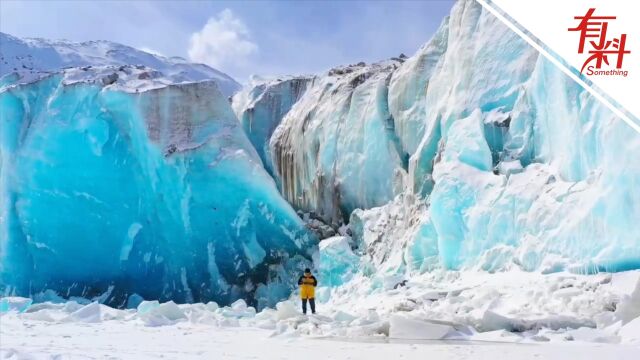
(308, 285)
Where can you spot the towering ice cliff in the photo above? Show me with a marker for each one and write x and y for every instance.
(37, 56)
(476, 152)
(335, 148)
(114, 181)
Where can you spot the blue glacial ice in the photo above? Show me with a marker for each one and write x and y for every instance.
(112, 185)
(337, 263)
(474, 153)
(261, 106)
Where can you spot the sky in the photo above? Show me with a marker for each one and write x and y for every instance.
(240, 38)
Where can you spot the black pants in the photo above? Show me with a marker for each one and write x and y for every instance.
(312, 302)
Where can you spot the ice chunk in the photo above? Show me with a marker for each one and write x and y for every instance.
(627, 286)
(212, 306)
(341, 316)
(337, 263)
(495, 320)
(154, 314)
(497, 335)
(630, 333)
(238, 309)
(466, 142)
(239, 305)
(169, 310)
(510, 167)
(18, 304)
(147, 306)
(286, 310)
(134, 301)
(492, 321)
(406, 327)
(89, 313)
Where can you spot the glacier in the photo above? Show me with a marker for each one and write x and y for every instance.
(473, 156)
(475, 153)
(117, 183)
(260, 107)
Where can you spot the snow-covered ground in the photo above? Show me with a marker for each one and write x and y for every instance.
(122, 339)
(456, 315)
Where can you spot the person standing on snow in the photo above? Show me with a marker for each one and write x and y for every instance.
(308, 283)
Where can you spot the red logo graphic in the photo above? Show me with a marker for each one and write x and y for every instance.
(595, 27)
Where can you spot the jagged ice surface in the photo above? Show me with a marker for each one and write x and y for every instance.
(493, 158)
(335, 148)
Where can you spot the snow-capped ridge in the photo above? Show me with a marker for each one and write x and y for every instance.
(32, 56)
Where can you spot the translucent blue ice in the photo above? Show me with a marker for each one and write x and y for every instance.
(157, 193)
(337, 263)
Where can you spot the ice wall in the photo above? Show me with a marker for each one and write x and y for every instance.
(114, 183)
(334, 150)
(518, 166)
(261, 107)
(476, 152)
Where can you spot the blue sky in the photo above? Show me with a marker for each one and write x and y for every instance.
(239, 37)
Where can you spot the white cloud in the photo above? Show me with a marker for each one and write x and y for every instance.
(224, 43)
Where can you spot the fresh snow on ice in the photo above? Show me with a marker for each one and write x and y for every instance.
(37, 57)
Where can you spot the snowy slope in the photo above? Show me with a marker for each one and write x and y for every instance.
(41, 55)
